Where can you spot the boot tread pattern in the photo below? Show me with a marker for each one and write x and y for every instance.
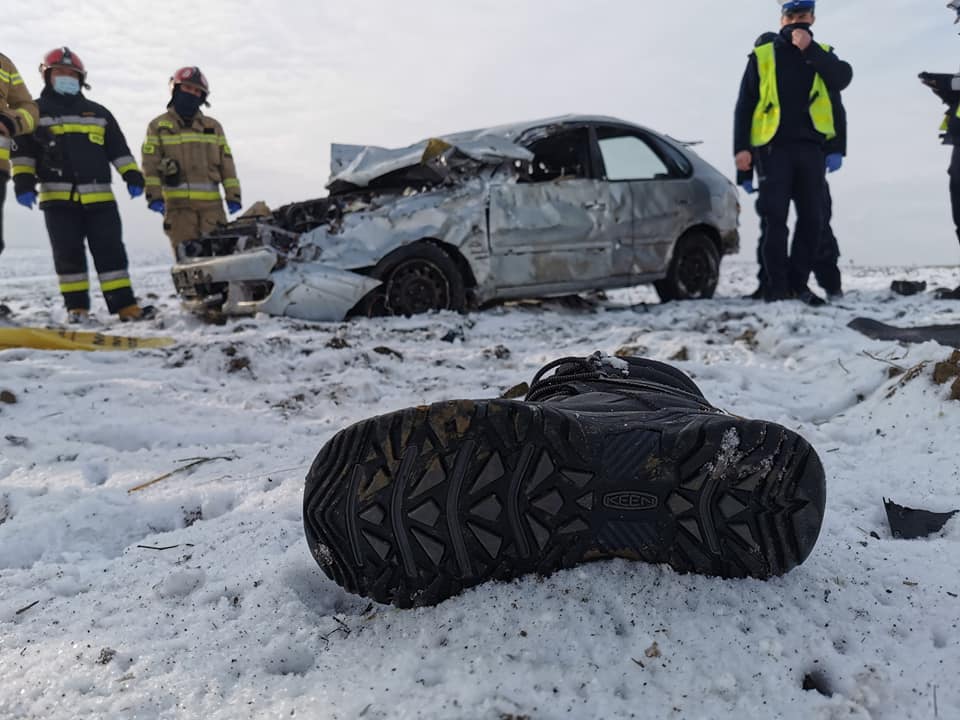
(415, 506)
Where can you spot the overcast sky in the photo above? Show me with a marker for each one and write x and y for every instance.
(290, 77)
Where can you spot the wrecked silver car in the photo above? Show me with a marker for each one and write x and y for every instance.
(550, 207)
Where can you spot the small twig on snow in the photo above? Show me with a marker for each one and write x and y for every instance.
(191, 463)
(150, 547)
(840, 363)
(892, 364)
(22, 610)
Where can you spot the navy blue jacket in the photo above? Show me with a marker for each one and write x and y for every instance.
(795, 74)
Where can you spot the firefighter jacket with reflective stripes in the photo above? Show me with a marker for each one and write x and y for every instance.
(18, 111)
(187, 162)
(787, 94)
(71, 151)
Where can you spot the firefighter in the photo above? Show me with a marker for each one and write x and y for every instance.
(186, 158)
(784, 117)
(70, 154)
(18, 116)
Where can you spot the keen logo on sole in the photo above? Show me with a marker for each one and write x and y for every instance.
(630, 501)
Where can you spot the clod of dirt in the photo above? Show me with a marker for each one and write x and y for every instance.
(653, 651)
(17, 441)
(230, 351)
(106, 655)
(500, 352)
(237, 364)
(632, 351)
(337, 343)
(517, 391)
(955, 390)
(8, 397)
(945, 371)
(454, 335)
(383, 350)
(749, 337)
(5, 512)
(191, 516)
(682, 355)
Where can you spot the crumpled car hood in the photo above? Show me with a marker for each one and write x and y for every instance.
(358, 165)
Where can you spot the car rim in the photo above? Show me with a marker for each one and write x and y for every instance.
(695, 272)
(417, 286)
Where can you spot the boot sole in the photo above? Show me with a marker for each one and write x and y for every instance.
(413, 507)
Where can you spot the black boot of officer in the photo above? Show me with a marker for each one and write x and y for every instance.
(605, 458)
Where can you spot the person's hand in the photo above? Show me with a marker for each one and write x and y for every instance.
(135, 190)
(834, 162)
(27, 199)
(158, 206)
(234, 207)
(802, 39)
(744, 160)
(3, 130)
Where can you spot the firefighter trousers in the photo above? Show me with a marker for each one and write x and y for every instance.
(3, 197)
(188, 222)
(790, 172)
(69, 225)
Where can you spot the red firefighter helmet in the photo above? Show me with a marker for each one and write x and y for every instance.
(190, 76)
(63, 58)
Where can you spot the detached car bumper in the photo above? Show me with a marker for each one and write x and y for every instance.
(262, 281)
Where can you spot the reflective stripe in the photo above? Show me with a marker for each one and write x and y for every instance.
(75, 277)
(186, 138)
(15, 79)
(23, 169)
(152, 139)
(115, 284)
(73, 120)
(192, 194)
(79, 286)
(231, 183)
(125, 164)
(84, 194)
(24, 162)
(75, 128)
(153, 181)
(28, 122)
(4, 148)
(5, 142)
(4, 76)
(114, 275)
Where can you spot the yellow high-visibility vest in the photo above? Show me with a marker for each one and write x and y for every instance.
(766, 118)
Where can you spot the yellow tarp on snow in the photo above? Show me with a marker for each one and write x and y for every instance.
(47, 339)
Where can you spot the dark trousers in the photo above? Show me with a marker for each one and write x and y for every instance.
(789, 172)
(826, 261)
(3, 197)
(955, 187)
(69, 225)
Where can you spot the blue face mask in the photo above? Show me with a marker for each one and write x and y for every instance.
(66, 85)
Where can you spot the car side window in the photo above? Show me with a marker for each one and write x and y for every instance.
(563, 156)
(628, 157)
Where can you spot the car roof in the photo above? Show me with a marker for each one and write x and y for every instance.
(514, 130)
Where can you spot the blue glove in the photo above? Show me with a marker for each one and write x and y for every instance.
(234, 207)
(135, 190)
(27, 199)
(834, 162)
(748, 187)
(158, 206)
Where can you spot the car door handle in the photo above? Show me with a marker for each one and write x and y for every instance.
(595, 206)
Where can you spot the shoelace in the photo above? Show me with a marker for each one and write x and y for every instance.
(542, 388)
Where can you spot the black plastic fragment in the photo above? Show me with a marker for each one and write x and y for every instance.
(909, 524)
(908, 287)
(816, 680)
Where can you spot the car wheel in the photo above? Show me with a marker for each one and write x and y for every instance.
(694, 270)
(416, 279)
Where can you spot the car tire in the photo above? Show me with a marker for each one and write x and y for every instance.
(694, 270)
(416, 278)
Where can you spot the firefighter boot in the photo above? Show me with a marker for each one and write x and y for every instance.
(136, 313)
(604, 458)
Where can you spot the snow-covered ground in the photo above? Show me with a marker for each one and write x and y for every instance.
(196, 597)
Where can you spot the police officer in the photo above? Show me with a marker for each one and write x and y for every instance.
(18, 116)
(947, 87)
(784, 116)
(70, 154)
(186, 158)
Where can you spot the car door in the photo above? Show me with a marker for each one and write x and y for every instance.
(551, 230)
(661, 188)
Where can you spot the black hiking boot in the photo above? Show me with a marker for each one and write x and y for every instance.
(605, 458)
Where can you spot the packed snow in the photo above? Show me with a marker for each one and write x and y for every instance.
(196, 596)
